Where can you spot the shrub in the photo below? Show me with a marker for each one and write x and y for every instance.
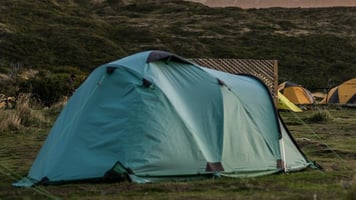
(319, 116)
(56, 108)
(50, 88)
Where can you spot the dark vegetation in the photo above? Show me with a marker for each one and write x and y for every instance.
(315, 47)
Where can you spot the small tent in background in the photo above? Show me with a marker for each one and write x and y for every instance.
(285, 104)
(296, 93)
(155, 116)
(344, 93)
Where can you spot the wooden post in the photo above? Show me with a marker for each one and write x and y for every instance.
(275, 74)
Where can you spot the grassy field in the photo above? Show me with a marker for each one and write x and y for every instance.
(330, 141)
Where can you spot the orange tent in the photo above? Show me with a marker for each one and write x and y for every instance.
(296, 93)
(342, 94)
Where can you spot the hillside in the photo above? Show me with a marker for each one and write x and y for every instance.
(277, 3)
(314, 47)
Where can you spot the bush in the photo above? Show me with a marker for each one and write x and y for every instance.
(319, 116)
(56, 108)
(50, 88)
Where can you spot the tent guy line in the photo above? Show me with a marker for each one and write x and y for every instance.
(36, 188)
(320, 139)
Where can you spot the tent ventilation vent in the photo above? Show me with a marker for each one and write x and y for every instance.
(146, 83)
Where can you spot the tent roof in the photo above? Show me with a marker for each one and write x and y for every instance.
(344, 93)
(296, 93)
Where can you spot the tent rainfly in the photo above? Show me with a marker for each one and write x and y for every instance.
(296, 93)
(285, 104)
(155, 116)
(344, 93)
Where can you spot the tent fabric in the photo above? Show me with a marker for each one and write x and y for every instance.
(285, 104)
(319, 95)
(344, 93)
(296, 93)
(162, 117)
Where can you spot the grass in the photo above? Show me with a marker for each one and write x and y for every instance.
(23, 116)
(330, 143)
(319, 116)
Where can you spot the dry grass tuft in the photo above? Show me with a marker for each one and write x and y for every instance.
(319, 116)
(10, 122)
(22, 116)
(28, 116)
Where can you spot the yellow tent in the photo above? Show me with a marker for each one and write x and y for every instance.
(285, 104)
(342, 94)
(296, 93)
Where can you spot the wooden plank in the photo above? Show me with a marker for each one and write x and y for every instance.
(266, 70)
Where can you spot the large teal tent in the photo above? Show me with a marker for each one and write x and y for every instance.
(155, 116)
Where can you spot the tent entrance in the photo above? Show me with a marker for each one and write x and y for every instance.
(118, 173)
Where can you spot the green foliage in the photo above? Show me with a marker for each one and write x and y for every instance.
(4, 70)
(9, 86)
(313, 46)
(49, 88)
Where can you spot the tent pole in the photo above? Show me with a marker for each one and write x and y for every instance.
(283, 155)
